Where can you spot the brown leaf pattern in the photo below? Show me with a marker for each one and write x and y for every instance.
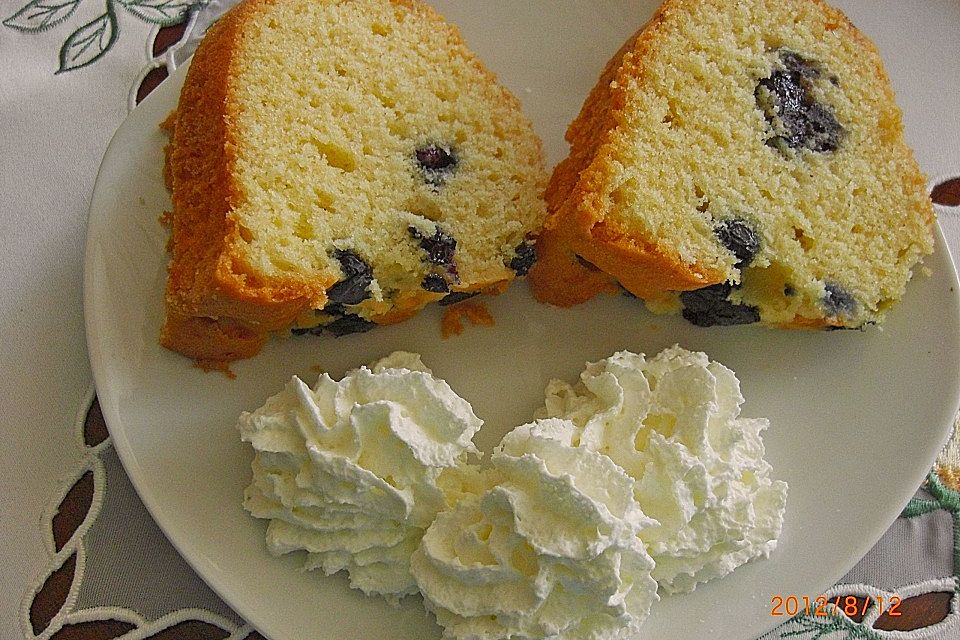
(94, 426)
(166, 37)
(73, 510)
(917, 612)
(909, 614)
(190, 630)
(51, 597)
(150, 82)
(49, 608)
(947, 193)
(93, 630)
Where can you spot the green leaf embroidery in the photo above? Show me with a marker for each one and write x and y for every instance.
(162, 12)
(918, 507)
(88, 43)
(822, 627)
(91, 41)
(40, 15)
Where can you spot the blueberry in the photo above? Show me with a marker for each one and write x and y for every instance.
(436, 283)
(838, 301)
(524, 257)
(434, 158)
(332, 309)
(796, 118)
(344, 324)
(710, 307)
(440, 247)
(739, 238)
(350, 323)
(436, 163)
(457, 296)
(357, 276)
(836, 328)
(797, 64)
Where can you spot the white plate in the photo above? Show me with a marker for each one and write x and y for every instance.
(857, 418)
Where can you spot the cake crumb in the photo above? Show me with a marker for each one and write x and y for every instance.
(222, 366)
(451, 324)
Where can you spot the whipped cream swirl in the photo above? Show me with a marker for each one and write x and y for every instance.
(354, 471)
(549, 550)
(672, 424)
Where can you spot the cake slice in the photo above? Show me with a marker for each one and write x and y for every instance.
(338, 164)
(739, 162)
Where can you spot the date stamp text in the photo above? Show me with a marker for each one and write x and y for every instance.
(822, 606)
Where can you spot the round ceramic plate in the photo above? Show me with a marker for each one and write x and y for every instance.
(856, 417)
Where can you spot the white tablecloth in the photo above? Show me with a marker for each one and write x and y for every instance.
(70, 75)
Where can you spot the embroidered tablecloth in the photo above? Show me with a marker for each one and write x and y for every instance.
(81, 556)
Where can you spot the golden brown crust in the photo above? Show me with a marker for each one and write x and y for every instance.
(208, 339)
(476, 313)
(558, 278)
(206, 283)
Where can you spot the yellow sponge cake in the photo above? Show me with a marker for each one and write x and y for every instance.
(739, 162)
(338, 164)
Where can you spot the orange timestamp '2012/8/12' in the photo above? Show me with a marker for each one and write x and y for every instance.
(851, 606)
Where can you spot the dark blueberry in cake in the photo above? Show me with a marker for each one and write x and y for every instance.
(457, 296)
(862, 328)
(709, 307)
(434, 158)
(798, 65)
(435, 283)
(440, 247)
(837, 301)
(344, 323)
(796, 118)
(436, 163)
(739, 238)
(789, 291)
(357, 276)
(350, 323)
(332, 309)
(817, 129)
(524, 257)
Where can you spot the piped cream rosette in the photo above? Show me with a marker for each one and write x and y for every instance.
(673, 424)
(550, 550)
(353, 472)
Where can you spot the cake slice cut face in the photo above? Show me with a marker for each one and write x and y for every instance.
(336, 165)
(739, 162)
